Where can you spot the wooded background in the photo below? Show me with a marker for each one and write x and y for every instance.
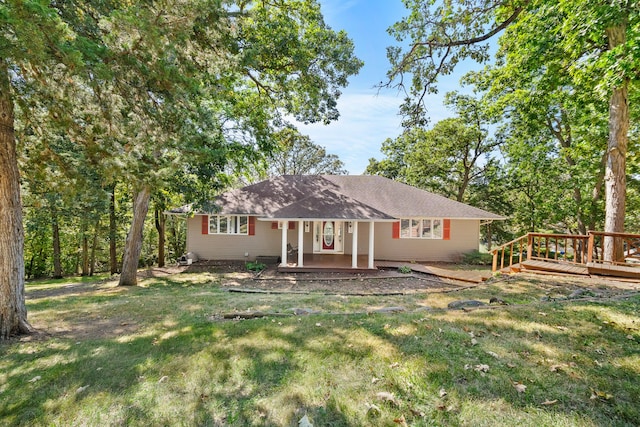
(113, 111)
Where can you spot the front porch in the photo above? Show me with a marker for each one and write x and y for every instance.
(327, 249)
(327, 262)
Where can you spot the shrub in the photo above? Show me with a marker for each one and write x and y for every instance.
(255, 266)
(477, 258)
(404, 269)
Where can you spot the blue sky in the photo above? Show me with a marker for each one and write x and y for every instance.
(368, 116)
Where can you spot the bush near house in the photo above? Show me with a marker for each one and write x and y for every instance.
(477, 258)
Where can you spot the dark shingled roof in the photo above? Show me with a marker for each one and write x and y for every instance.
(349, 197)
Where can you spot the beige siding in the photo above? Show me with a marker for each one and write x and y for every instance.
(363, 240)
(229, 247)
(465, 237)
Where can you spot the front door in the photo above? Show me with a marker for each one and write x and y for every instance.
(328, 236)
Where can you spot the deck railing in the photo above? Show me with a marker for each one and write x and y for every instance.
(507, 250)
(576, 249)
(567, 248)
(626, 248)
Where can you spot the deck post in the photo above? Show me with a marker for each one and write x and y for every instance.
(354, 245)
(300, 243)
(529, 246)
(285, 228)
(371, 236)
(590, 248)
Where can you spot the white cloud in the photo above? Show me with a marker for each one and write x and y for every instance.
(331, 9)
(366, 120)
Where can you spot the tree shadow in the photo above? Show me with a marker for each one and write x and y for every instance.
(245, 372)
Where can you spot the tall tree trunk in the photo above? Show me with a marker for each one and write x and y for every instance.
(463, 184)
(615, 172)
(85, 248)
(160, 222)
(113, 262)
(13, 311)
(176, 242)
(94, 248)
(57, 263)
(133, 244)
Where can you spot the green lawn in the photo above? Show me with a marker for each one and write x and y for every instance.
(160, 354)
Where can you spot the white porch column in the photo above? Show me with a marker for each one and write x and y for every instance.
(371, 235)
(354, 245)
(300, 243)
(285, 228)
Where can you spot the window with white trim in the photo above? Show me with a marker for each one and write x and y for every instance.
(229, 224)
(421, 228)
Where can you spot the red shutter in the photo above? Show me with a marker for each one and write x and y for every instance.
(274, 225)
(292, 225)
(395, 230)
(205, 224)
(252, 226)
(446, 229)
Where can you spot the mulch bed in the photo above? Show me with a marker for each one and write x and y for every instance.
(382, 282)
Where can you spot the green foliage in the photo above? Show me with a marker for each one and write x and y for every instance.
(404, 269)
(556, 68)
(477, 258)
(296, 154)
(178, 97)
(255, 266)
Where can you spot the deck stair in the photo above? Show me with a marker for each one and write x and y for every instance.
(571, 254)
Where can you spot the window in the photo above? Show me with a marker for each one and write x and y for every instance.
(229, 224)
(420, 228)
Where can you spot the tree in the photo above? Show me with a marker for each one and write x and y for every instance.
(393, 165)
(595, 42)
(449, 157)
(296, 154)
(452, 158)
(24, 50)
(287, 61)
(445, 159)
(128, 81)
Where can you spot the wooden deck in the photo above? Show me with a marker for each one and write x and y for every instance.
(627, 271)
(342, 263)
(555, 267)
(597, 269)
(571, 254)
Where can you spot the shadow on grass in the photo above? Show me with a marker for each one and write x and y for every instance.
(178, 367)
(570, 355)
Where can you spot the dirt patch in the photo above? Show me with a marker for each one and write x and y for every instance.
(234, 276)
(385, 282)
(378, 283)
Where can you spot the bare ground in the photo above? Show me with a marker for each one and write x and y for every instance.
(235, 277)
